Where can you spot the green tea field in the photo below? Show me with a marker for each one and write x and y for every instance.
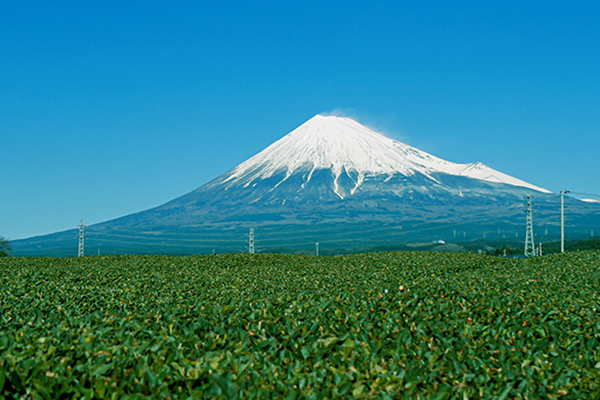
(415, 325)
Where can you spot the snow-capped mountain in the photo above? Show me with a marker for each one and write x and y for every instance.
(332, 169)
(337, 182)
(342, 145)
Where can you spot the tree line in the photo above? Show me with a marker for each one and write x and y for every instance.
(4, 246)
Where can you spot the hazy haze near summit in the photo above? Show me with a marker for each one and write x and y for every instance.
(113, 108)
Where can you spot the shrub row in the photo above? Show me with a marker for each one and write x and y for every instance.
(380, 325)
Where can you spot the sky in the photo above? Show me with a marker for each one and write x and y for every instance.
(110, 108)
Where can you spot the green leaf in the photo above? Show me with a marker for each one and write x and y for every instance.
(305, 352)
(2, 378)
(16, 383)
(100, 388)
(291, 395)
(229, 388)
(151, 377)
(101, 369)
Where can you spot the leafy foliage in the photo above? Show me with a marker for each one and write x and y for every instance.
(379, 325)
(507, 251)
(4, 247)
(573, 245)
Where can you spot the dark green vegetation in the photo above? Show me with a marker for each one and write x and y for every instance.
(573, 245)
(341, 232)
(334, 238)
(516, 248)
(379, 325)
(4, 247)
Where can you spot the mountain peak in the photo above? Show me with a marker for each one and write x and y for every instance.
(334, 181)
(344, 146)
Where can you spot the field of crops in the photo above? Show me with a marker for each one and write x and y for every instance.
(381, 325)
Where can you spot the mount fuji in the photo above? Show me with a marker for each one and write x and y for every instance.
(351, 153)
(333, 181)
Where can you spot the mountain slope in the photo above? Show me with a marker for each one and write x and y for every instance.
(337, 182)
(331, 167)
(343, 145)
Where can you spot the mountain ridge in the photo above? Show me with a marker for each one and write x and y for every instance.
(342, 144)
(324, 181)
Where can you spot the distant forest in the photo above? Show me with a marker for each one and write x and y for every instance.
(579, 245)
(553, 247)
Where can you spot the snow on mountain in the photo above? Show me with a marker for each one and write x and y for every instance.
(344, 145)
(335, 182)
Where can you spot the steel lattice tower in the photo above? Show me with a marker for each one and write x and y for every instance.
(81, 239)
(529, 245)
(251, 241)
(562, 220)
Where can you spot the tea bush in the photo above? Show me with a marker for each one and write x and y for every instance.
(379, 325)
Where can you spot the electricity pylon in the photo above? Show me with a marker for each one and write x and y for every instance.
(251, 241)
(81, 239)
(562, 220)
(529, 245)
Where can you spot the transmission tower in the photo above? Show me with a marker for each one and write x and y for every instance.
(529, 246)
(81, 239)
(251, 241)
(562, 220)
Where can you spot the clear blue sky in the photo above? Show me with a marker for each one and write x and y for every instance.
(112, 107)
